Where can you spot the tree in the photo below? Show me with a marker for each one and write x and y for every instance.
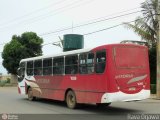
(20, 47)
(146, 26)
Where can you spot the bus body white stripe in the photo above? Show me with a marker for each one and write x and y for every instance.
(120, 96)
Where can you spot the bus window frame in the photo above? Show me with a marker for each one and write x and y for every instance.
(29, 68)
(74, 67)
(100, 51)
(47, 68)
(38, 69)
(92, 64)
(59, 66)
(86, 64)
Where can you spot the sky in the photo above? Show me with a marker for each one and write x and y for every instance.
(44, 17)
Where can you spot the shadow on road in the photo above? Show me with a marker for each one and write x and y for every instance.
(91, 108)
(109, 110)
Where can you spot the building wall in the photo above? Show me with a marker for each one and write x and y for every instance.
(13, 78)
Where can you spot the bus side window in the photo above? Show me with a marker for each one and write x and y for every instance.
(30, 68)
(83, 63)
(100, 61)
(86, 63)
(71, 64)
(58, 66)
(38, 67)
(47, 66)
(90, 63)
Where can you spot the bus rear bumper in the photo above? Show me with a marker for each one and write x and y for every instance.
(120, 96)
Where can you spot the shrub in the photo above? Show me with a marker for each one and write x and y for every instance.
(153, 88)
(8, 80)
(2, 83)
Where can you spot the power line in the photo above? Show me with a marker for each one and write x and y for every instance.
(56, 11)
(53, 11)
(110, 27)
(124, 11)
(104, 29)
(94, 31)
(33, 12)
(59, 10)
(89, 24)
(45, 16)
(97, 21)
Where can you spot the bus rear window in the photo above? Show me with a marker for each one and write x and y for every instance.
(130, 57)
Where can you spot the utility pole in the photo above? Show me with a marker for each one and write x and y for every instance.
(158, 50)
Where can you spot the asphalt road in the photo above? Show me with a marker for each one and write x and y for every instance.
(12, 104)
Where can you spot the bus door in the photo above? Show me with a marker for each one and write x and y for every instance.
(21, 77)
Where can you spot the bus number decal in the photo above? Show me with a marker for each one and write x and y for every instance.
(73, 78)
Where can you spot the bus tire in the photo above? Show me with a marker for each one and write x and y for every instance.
(71, 99)
(30, 95)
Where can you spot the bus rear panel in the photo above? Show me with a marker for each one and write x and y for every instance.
(128, 74)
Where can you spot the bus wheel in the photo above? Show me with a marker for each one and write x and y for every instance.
(71, 99)
(30, 95)
(103, 105)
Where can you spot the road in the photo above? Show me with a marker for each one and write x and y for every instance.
(14, 104)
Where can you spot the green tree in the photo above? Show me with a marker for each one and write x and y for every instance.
(146, 26)
(20, 47)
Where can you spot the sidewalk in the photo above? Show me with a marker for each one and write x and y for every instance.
(153, 97)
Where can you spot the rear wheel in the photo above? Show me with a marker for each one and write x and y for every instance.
(71, 99)
(30, 95)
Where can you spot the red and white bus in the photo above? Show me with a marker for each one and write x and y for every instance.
(102, 75)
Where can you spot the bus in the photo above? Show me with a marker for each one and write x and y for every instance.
(101, 75)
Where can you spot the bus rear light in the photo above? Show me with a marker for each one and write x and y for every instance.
(118, 88)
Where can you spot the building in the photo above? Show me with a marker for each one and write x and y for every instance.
(12, 78)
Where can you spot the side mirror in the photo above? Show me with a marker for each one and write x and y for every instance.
(18, 72)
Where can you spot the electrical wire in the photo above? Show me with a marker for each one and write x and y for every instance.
(49, 14)
(86, 24)
(104, 29)
(89, 23)
(111, 27)
(33, 12)
(65, 8)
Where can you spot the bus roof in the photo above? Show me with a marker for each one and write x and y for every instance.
(75, 52)
(57, 55)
